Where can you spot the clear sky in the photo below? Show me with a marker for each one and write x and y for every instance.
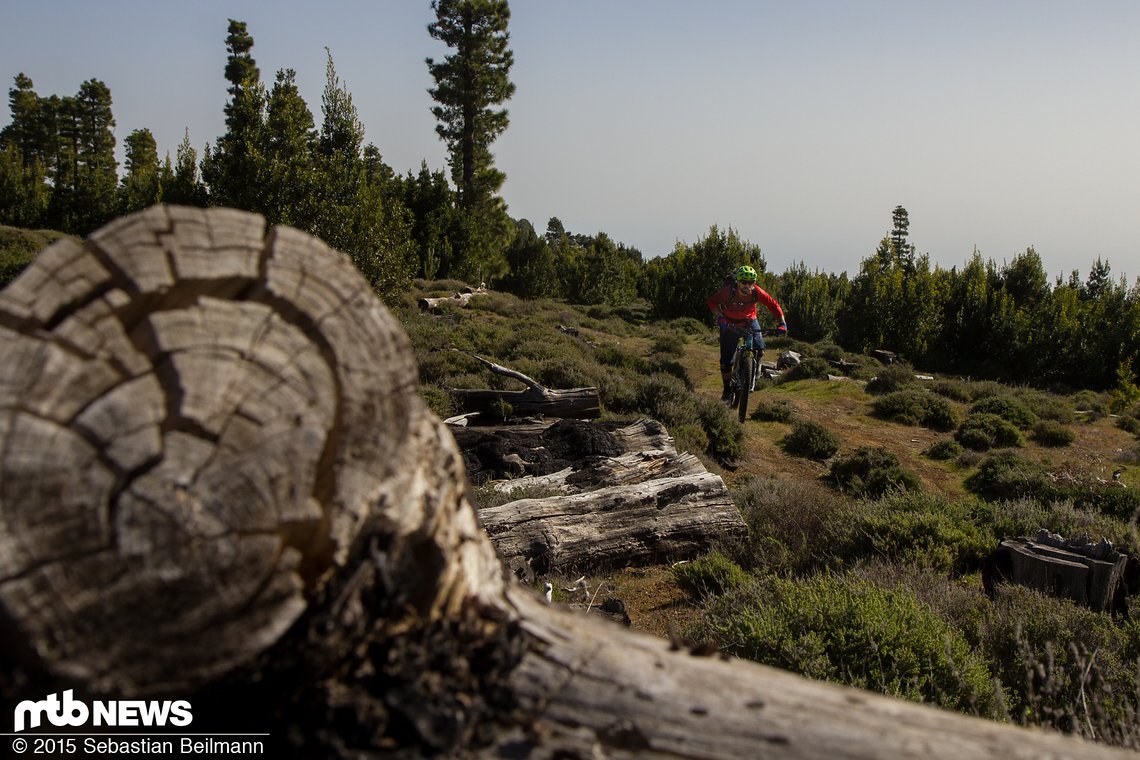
(997, 124)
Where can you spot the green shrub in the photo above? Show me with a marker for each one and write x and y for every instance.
(726, 435)
(789, 521)
(773, 411)
(983, 431)
(830, 352)
(709, 575)
(1094, 404)
(1129, 424)
(1042, 649)
(916, 406)
(845, 630)
(943, 450)
(893, 377)
(811, 440)
(811, 368)
(1047, 406)
(1008, 408)
(1008, 475)
(1052, 433)
(920, 528)
(956, 390)
(871, 472)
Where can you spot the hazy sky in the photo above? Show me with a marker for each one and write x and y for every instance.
(999, 124)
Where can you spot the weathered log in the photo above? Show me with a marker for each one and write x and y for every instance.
(462, 299)
(1092, 575)
(657, 521)
(217, 482)
(597, 472)
(536, 400)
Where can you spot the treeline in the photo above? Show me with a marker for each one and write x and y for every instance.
(58, 171)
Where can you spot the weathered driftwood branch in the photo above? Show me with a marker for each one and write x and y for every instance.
(217, 482)
(574, 403)
(461, 299)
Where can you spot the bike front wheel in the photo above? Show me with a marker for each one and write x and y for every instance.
(743, 383)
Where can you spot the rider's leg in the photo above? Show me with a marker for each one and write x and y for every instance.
(727, 347)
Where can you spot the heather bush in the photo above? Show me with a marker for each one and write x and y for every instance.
(870, 472)
(1063, 666)
(709, 575)
(1052, 433)
(1008, 408)
(922, 528)
(772, 411)
(983, 431)
(943, 450)
(916, 406)
(893, 377)
(846, 630)
(811, 440)
(790, 522)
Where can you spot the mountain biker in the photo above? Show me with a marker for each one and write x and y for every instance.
(734, 307)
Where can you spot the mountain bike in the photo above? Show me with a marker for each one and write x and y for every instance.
(745, 367)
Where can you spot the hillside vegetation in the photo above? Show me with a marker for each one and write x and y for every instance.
(871, 502)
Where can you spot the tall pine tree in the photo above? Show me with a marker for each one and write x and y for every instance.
(470, 83)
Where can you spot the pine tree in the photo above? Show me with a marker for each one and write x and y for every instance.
(183, 185)
(470, 83)
(140, 187)
(231, 169)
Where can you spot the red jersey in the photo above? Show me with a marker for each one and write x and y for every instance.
(739, 308)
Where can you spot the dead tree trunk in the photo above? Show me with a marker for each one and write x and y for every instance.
(217, 482)
(536, 400)
(461, 299)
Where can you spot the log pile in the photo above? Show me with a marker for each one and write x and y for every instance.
(219, 484)
(460, 300)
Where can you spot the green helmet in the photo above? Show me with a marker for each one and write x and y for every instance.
(746, 274)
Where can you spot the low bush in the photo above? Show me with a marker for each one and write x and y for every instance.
(1008, 475)
(1008, 408)
(773, 411)
(811, 368)
(1052, 433)
(893, 377)
(1095, 405)
(845, 630)
(916, 406)
(1129, 424)
(709, 575)
(789, 521)
(983, 431)
(871, 472)
(920, 528)
(943, 450)
(1047, 406)
(956, 390)
(1063, 666)
(811, 440)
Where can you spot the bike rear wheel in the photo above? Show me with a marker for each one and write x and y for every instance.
(743, 382)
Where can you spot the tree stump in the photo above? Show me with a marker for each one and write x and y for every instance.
(218, 482)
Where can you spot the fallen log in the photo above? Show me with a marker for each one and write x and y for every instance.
(596, 472)
(459, 300)
(653, 522)
(575, 403)
(218, 484)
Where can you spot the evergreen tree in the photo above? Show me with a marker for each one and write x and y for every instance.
(432, 204)
(470, 83)
(286, 172)
(231, 169)
(182, 184)
(140, 187)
